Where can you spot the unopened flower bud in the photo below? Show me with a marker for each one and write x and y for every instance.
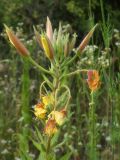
(47, 46)
(66, 49)
(38, 38)
(49, 30)
(85, 41)
(17, 43)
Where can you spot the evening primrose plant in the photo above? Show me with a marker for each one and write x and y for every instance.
(54, 96)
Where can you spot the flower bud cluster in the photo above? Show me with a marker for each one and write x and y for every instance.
(55, 44)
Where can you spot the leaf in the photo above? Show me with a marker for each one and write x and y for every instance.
(48, 82)
(37, 145)
(23, 142)
(55, 139)
(41, 156)
(66, 156)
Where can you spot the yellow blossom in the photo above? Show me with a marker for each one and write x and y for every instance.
(40, 111)
(59, 116)
(48, 99)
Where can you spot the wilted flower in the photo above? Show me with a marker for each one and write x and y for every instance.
(58, 116)
(93, 79)
(48, 99)
(50, 127)
(17, 43)
(40, 111)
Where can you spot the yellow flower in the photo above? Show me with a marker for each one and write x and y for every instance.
(48, 99)
(59, 116)
(50, 127)
(40, 111)
(93, 79)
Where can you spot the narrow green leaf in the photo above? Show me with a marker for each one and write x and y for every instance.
(66, 156)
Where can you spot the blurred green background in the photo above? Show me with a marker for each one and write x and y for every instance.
(19, 81)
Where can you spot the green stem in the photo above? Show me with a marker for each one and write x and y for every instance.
(48, 148)
(69, 96)
(73, 73)
(92, 137)
(56, 84)
(102, 12)
(38, 66)
(56, 88)
(72, 59)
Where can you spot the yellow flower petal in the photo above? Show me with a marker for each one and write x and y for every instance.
(59, 116)
(40, 111)
(48, 99)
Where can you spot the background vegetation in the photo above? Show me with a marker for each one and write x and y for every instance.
(19, 81)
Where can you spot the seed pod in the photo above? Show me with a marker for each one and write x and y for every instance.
(85, 41)
(17, 43)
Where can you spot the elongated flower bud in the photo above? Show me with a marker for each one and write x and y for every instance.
(72, 43)
(17, 43)
(66, 49)
(49, 30)
(47, 46)
(85, 41)
(69, 45)
(38, 38)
